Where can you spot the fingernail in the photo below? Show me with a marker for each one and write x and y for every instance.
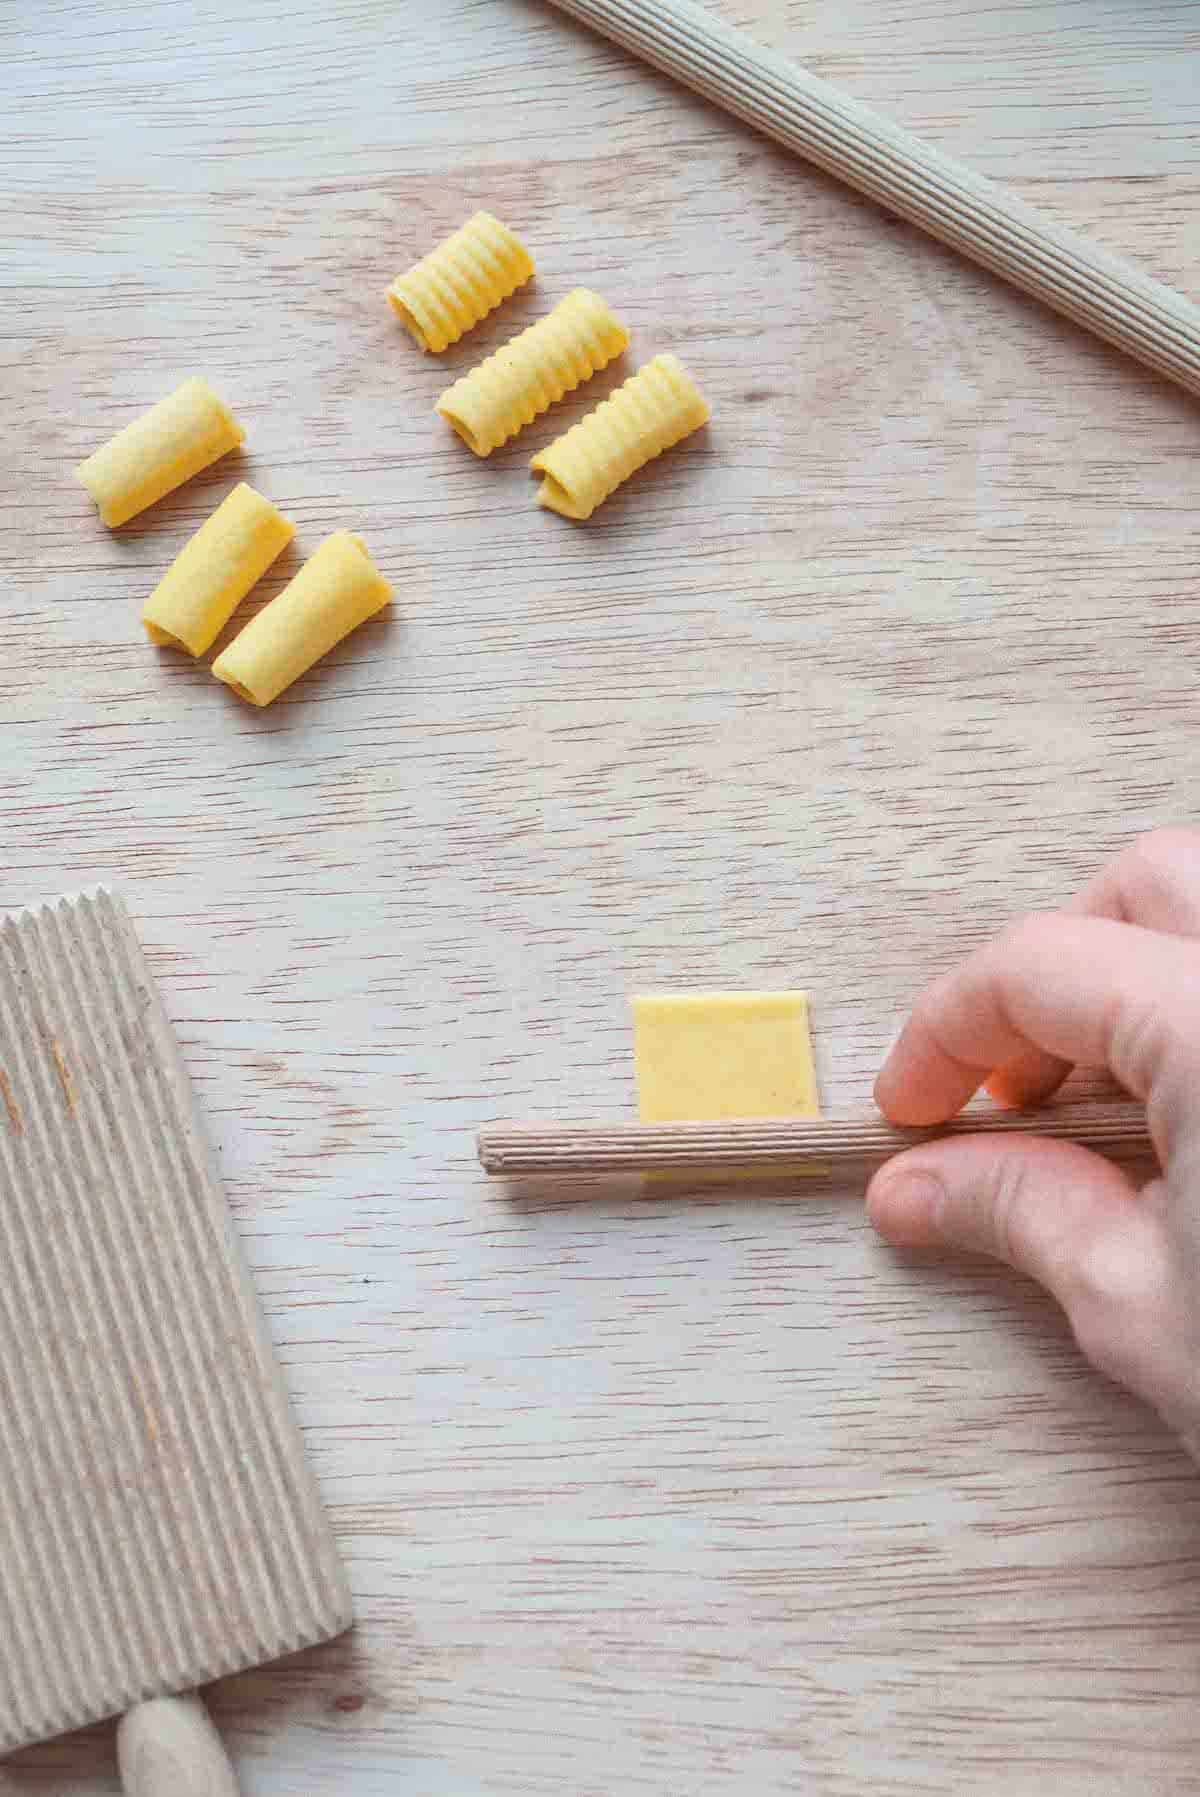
(904, 1206)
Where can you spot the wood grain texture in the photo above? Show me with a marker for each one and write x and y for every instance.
(694, 1494)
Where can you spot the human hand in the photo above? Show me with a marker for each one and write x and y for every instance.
(1113, 980)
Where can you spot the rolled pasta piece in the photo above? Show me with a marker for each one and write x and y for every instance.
(460, 282)
(159, 451)
(338, 588)
(655, 408)
(505, 393)
(212, 573)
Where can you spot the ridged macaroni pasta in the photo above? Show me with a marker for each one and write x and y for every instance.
(533, 371)
(460, 282)
(654, 409)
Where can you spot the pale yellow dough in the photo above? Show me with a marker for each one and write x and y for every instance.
(212, 574)
(712, 1055)
(338, 588)
(155, 454)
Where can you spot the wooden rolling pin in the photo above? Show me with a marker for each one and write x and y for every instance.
(835, 1147)
(1089, 285)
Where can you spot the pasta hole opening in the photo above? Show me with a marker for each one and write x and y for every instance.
(462, 429)
(163, 639)
(409, 320)
(557, 497)
(243, 692)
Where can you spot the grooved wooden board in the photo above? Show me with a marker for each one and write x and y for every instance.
(637, 1498)
(159, 1525)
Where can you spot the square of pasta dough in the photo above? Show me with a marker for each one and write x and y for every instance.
(708, 1055)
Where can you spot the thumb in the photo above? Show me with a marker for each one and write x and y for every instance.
(1073, 1222)
(1050, 1209)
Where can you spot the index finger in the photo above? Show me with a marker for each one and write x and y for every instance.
(1154, 882)
(1081, 988)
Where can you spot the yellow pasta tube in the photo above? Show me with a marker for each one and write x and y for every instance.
(338, 588)
(460, 282)
(505, 393)
(212, 574)
(654, 409)
(159, 451)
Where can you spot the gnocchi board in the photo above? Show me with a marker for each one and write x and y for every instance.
(159, 1523)
(686, 1495)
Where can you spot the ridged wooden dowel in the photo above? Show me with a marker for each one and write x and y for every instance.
(1098, 290)
(834, 1145)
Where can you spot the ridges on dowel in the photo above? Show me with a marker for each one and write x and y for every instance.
(532, 371)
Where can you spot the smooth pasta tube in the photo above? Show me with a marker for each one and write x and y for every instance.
(654, 409)
(212, 574)
(338, 588)
(159, 451)
(505, 393)
(460, 282)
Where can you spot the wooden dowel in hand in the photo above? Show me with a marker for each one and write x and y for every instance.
(837, 1147)
(996, 229)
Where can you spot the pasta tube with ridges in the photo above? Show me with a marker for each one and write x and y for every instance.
(533, 371)
(212, 574)
(654, 409)
(460, 282)
(338, 588)
(159, 451)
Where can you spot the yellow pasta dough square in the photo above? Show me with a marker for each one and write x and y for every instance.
(710, 1055)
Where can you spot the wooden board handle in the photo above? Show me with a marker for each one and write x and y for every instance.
(1095, 289)
(835, 1146)
(169, 1747)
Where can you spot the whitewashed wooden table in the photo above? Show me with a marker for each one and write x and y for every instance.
(698, 1494)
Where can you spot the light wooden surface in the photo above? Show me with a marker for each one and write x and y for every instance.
(703, 1495)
